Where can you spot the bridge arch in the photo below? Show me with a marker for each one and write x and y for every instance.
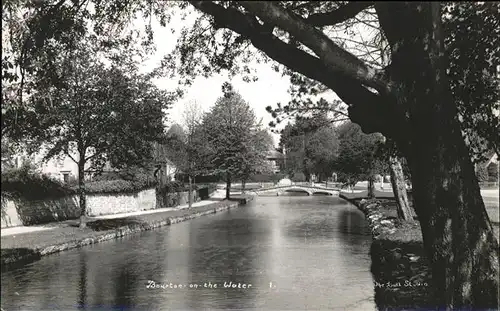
(295, 189)
(322, 193)
(310, 190)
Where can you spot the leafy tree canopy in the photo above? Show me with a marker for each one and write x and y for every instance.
(357, 156)
(238, 143)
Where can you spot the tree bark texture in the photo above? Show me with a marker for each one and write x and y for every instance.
(162, 179)
(399, 189)
(190, 194)
(456, 228)
(81, 193)
(228, 186)
(371, 187)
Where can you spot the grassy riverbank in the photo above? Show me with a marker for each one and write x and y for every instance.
(27, 247)
(400, 267)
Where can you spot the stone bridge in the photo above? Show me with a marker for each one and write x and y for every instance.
(310, 190)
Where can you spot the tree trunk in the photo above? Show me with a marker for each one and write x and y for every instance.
(81, 193)
(457, 232)
(190, 193)
(228, 186)
(399, 189)
(243, 184)
(371, 187)
(160, 199)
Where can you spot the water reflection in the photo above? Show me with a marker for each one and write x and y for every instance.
(82, 285)
(313, 249)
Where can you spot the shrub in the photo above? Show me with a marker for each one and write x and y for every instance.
(299, 177)
(482, 173)
(107, 176)
(493, 172)
(117, 186)
(205, 189)
(27, 184)
(266, 177)
(171, 187)
(125, 181)
(198, 179)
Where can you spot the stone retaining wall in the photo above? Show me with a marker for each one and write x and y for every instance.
(16, 212)
(400, 269)
(108, 204)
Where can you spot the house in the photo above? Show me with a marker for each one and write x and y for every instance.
(165, 168)
(62, 168)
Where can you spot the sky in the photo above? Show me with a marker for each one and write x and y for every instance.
(269, 89)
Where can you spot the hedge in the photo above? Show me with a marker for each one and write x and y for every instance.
(29, 185)
(116, 186)
(298, 177)
(266, 177)
(120, 182)
(203, 179)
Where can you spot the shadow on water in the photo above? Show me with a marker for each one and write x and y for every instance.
(82, 283)
(319, 193)
(294, 193)
(345, 223)
(126, 283)
(353, 222)
(20, 256)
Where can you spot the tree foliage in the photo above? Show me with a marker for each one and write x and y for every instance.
(238, 144)
(90, 111)
(101, 113)
(358, 154)
(473, 53)
(311, 145)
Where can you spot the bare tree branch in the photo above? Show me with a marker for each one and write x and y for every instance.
(339, 15)
(365, 106)
(336, 58)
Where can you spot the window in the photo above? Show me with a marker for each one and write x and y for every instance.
(66, 177)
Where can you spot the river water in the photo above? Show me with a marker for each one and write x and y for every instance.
(289, 252)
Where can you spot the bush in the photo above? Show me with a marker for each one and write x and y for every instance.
(266, 177)
(493, 172)
(107, 176)
(27, 184)
(482, 173)
(117, 186)
(204, 179)
(205, 189)
(125, 181)
(172, 187)
(299, 177)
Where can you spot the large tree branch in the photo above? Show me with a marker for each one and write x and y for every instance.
(368, 109)
(336, 58)
(341, 14)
